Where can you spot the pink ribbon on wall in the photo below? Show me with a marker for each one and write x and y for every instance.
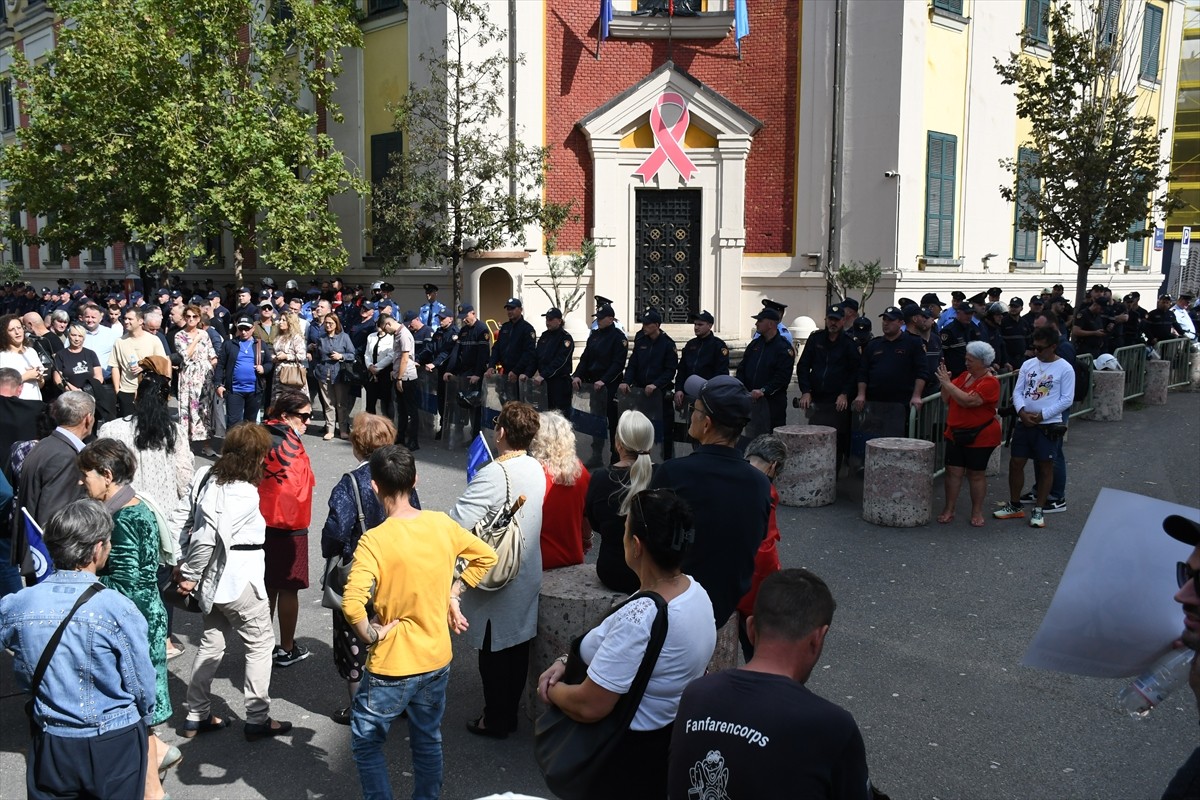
(669, 140)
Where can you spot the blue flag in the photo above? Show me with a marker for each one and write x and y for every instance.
(38, 554)
(478, 455)
(605, 17)
(741, 23)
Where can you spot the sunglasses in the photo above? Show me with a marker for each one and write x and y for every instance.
(1184, 573)
(1042, 348)
(303, 417)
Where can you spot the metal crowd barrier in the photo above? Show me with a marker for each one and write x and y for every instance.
(929, 423)
(1177, 353)
(1133, 360)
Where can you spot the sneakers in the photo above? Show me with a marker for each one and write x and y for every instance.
(1054, 506)
(1036, 520)
(1009, 511)
(1028, 499)
(285, 658)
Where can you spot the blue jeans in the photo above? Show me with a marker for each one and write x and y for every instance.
(379, 701)
(10, 576)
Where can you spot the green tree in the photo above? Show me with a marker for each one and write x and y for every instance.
(567, 288)
(164, 122)
(1096, 169)
(856, 275)
(462, 183)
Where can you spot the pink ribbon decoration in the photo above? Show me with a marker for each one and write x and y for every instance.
(669, 140)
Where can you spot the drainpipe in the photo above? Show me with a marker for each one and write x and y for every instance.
(833, 247)
(512, 89)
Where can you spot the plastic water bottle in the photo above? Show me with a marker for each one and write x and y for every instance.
(1146, 691)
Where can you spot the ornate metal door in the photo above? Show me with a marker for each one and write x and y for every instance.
(667, 271)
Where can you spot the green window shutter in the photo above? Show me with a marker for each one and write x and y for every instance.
(1135, 248)
(1151, 36)
(1109, 21)
(941, 155)
(383, 146)
(1035, 20)
(1025, 241)
(953, 6)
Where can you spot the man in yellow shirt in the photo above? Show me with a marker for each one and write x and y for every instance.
(127, 352)
(405, 567)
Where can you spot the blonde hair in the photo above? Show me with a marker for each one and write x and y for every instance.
(635, 432)
(293, 324)
(554, 447)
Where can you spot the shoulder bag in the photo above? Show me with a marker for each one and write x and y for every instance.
(44, 662)
(572, 754)
(337, 568)
(169, 587)
(502, 532)
(291, 373)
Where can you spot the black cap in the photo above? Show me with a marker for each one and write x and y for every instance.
(930, 298)
(995, 291)
(978, 299)
(1166, 297)
(724, 397)
(1037, 299)
(161, 291)
(1057, 286)
(913, 310)
(1183, 529)
(1016, 302)
(601, 300)
(957, 295)
(651, 317)
(768, 313)
(409, 316)
(835, 311)
(245, 321)
(445, 314)
(1187, 296)
(430, 288)
(513, 302)
(964, 308)
(604, 311)
(850, 303)
(1135, 295)
(245, 290)
(1128, 298)
(862, 324)
(704, 316)
(771, 304)
(891, 312)
(387, 287)
(553, 313)
(465, 308)
(905, 301)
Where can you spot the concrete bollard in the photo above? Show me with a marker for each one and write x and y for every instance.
(571, 602)
(1194, 377)
(1108, 395)
(809, 478)
(898, 482)
(993, 467)
(1158, 374)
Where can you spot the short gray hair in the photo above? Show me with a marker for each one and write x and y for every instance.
(10, 377)
(74, 531)
(59, 315)
(154, 312)
(770, 448)
(983, 351)
(70, 408)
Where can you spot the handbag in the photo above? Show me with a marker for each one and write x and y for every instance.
(290, 373)
(572, 754)
(337, 569)
(168, 587)
(44, 662)
(502, 532)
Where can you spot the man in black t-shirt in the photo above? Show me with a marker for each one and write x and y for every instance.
(757, 732)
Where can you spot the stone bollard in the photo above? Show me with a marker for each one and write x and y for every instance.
(729, 647)
(571, 602)
(809, 478)
(898, 482)
(993, 467)
(1108, 395)
(1194, 376)
(1158, 374)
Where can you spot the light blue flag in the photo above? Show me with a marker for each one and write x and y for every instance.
(43, 566)
(478, 455)
(605, 17)
(741, 23)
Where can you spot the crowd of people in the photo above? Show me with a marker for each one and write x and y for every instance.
(96, 461)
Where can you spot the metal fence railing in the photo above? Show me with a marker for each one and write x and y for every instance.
(1177, 353)
(1133, 360)
(929, 423)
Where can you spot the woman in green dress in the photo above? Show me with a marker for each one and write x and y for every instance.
(108, 467)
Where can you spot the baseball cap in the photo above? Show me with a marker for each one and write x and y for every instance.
(266, 304)
(850, 303)
(163, 290)
(446, 314)
(724, 397)
(410, 315)
(465, 308)
(245, 290)
(245, 322)
(369, 306)
(135, 296)
(768, 313)
(1037, 300)
(1182, 529)
(914, 310)
(651, 317)
(604, 311)
(703, 316)
(553, 313)
(514, 302)
(1165, 297)
(964, 307)
(835, 311)
(891, 312)
(1016, 302)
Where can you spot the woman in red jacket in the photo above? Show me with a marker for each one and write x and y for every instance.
(566, 533)
(285, 500)
(767, 454)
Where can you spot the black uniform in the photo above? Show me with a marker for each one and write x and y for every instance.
(825, 370)
(653, 362)
(471, 358)
(1160, 325)
(421, 340)
(767, 366)
(890, 369)
(603, 360)
(994, 336)
(1016, 338)
(955, 337)
(705, 356)
(438, 350)
(1134, 328)
(1087, 321)
(515, 346)
(932, 348)
(552, 361)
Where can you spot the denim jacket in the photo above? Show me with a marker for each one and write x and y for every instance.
(100, 678)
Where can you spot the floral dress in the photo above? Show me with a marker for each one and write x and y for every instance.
(196, 384)
(295, 348)
(132, 570)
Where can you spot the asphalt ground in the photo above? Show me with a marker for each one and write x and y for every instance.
(925, 647)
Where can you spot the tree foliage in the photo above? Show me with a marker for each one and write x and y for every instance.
(1097, 169)
(168, 121)
(460, 183)
(567, 275)
(856, 275)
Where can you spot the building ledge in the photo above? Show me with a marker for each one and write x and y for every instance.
(948, 19)
(498, 255)
(1137, 268)
(710, 25)
(929, 264)
(1026, 266)
(1149, 84)
(1031, 47)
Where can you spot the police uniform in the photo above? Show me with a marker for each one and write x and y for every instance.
(1086, 321)
(428, 313)
(514, 349)
(767, 367)
(889, 369)
(955, 337)
(1134, 327)
(828, 367)
(439, 350)
(1016, 337)
(653, 362)
(991, 333)
(706, 356)
(552, 361)
(603, 360)
(1160, 325)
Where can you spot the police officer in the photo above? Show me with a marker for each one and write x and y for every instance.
(989, 331)
(827, 375)
(705, 355)
(919, 323)
(245, 304)
(955, 336)
(471, 357)
(516, 344)
(601, 302)
(783, 329)
(421, 334)
(428, 312)
(1160, 322)
(602, 363)
(438, 352)
(1036, 307)
(1087, 329)
(1134, 333)
(651, 370)
(766, 367)
(892, 370)
(949, 314)
(934, 305)
(552, 362)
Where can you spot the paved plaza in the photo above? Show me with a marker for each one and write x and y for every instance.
(925, 647)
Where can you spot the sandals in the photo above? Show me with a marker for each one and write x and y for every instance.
(174, 651)
(945, 517)
(192, 727)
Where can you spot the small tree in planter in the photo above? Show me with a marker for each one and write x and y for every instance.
(567, 272)
(856, 275)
